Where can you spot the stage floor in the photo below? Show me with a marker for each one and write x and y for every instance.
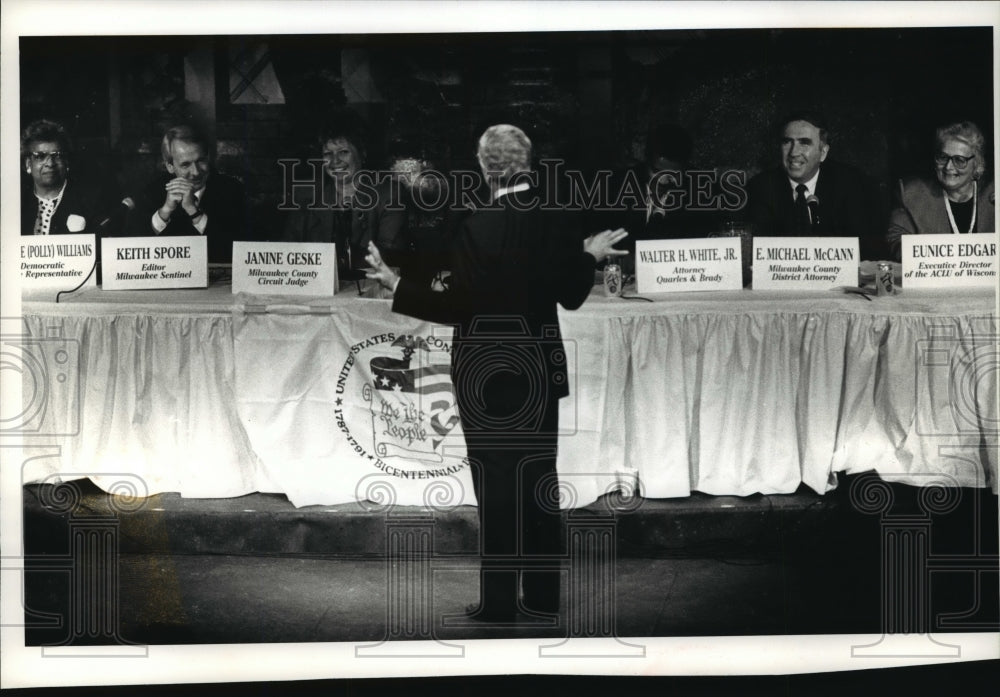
(257, 569)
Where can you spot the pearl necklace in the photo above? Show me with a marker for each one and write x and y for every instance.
(951, 217)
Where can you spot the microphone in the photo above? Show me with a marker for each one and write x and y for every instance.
(813, 203)
(127, 204)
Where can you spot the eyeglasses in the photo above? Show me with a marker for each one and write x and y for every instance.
(40, 157)
(960, 162)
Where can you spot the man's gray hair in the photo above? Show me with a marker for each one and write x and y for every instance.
(186, 133)
(504, 150)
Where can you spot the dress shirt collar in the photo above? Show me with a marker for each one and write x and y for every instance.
(810, 185)
(503, 190)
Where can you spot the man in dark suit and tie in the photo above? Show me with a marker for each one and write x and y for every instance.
(191, 198)
(810, 195)
(512, 263)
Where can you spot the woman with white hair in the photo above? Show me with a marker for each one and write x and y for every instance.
(957, 201)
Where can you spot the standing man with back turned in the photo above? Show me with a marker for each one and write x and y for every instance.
(512, 263)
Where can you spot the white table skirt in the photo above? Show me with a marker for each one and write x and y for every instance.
(214, 395)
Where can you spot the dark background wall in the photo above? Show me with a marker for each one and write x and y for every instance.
(588, 98)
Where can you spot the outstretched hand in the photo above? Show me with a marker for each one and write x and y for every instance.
(602, 244)
(386, 277)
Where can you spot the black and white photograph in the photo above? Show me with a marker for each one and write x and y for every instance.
(381, 340)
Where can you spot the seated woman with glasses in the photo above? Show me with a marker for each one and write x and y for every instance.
(958, 201)
(50, 203)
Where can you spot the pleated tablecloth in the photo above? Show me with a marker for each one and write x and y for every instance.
(214, 395)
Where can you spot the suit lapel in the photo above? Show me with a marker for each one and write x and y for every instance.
(785, 204)
(824, 187)
(205, 203)
(827, 191)
(69, 205)
(29, 210)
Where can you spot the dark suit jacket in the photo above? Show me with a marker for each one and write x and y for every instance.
(76, 200)
(224, 202)
(627, 209)
(920, 211)
(381, 219)
(849, 206)
(510, 269)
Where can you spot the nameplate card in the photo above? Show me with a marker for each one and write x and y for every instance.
(949, 261)
(57, 262)
(805, 263)
(139, 263)
(670, 266)
(285, 268)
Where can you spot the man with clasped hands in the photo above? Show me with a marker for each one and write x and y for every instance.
(512, 263)
(192, 199)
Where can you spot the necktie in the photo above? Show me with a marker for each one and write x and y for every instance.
(802, 222)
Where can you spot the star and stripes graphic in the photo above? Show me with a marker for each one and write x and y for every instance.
(414, 375)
